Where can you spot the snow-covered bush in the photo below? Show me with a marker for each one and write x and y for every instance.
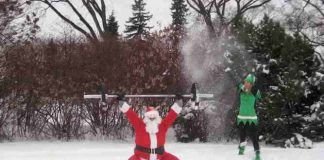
(192, 124)
(298, 141)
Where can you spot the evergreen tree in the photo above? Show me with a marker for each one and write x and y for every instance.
(179, 11)
(113, 25)
(137, 25)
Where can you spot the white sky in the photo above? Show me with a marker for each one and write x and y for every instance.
(52, 25)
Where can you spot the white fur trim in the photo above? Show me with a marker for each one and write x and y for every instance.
(176, 108)
(153, 140)
(125, 107)
(151, 114)
(247, 117)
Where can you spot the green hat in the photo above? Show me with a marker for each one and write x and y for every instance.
(250, 78)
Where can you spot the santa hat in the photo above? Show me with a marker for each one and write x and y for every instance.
(151, 112)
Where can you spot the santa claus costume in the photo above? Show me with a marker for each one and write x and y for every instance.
(150, 132)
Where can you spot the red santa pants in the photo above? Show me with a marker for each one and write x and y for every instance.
(166, 156)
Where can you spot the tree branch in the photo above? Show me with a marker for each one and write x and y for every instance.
(95, 6)
(93, 15)
(217, 8)
(210, 4)
(250, 5)
(315, 6)
(224, 6)
(314, 43)
(103, 16)
(193, 7)
(320, 57)
(93, 33)
(220, 9)
(50, 5)
(238, 6)
(102, 13)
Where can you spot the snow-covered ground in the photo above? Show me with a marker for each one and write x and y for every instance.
(94, 150)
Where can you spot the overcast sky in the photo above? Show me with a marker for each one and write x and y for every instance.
(51, 24)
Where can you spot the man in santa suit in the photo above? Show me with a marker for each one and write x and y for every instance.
(150, 132)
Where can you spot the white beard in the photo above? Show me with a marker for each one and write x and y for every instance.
(152, 127)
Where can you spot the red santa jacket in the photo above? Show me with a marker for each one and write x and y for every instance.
(144, 139)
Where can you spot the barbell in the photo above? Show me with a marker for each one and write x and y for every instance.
(194, 95)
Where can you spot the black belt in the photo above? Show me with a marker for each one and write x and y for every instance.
(159, 150)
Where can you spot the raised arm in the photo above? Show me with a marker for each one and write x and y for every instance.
(171, 116)
(131, 115)
(173, 113)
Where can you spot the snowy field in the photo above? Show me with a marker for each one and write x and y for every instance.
(88, 150)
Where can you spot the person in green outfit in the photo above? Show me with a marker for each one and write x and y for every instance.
(247, 119)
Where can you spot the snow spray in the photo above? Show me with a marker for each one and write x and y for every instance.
(204, 62)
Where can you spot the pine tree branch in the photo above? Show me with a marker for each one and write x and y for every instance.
(138, 25)
(112, 25)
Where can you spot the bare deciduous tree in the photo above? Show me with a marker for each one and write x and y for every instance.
(97, 10)
(222, 8)
(306, 18)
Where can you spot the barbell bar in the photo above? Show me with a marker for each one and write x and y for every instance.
(195, 96)
(98, 96)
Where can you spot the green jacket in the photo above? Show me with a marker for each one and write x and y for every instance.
(247, 113)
